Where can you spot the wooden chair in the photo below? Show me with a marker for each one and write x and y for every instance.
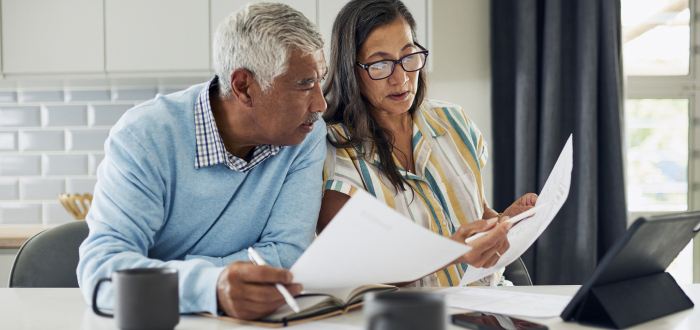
(77, 205)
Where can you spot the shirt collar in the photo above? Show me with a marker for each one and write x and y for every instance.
(436, 125)
(210, 148)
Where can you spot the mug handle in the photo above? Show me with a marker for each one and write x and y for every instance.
(375, 318)
(94, 298)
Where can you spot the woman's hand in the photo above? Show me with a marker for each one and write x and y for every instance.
(521, 205)
(484, 250)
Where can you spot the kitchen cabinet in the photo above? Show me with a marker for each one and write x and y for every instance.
(157, 35)
(136, 38)
(57, 36)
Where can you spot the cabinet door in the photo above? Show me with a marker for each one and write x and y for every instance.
(157, 35)
(55, 36)
(220, 9)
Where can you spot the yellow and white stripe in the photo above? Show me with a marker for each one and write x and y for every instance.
(446, 190)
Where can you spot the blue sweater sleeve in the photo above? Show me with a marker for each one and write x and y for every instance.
(126, 213)
(292, 222)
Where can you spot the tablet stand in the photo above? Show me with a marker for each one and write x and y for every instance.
(629, 302)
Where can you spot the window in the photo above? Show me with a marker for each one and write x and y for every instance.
(662, 115)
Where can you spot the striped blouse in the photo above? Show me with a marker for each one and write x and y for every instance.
(447, 188)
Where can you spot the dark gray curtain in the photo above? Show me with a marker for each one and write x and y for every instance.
(556, 70)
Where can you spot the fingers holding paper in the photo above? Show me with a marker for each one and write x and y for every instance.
(486, 249)
(521, 205)
(248, 291)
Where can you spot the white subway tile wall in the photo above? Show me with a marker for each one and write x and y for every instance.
(20, 213)
(55, 213)
(91, 95)
(80, 186)
(9, 189)
(43, 140)
(17, 165)
(40, 96)
(83, 139)
(8, 141)
(106, 114)
(93, 161)
(133, 94)
(8, 97)
(64, 115)
(52, 141)
(20, 116)
(65, 165)
(41, 189)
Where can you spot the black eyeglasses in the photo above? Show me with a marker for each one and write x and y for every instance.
(385, 68)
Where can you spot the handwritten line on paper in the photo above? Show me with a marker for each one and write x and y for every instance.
(505, 302)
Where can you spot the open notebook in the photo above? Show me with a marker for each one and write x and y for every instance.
(366, 243)
(315, 305)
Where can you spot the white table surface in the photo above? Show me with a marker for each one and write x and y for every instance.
(65, 309)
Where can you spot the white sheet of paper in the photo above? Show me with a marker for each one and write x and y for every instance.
(368, 243)
(522, 235)
(505, 302)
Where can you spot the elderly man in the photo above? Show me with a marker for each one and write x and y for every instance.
(192, 179)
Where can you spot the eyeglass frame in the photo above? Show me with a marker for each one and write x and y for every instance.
(393, 64)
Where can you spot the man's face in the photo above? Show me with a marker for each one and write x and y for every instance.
(287, 111)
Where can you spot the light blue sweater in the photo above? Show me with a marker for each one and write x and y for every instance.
(151, 206)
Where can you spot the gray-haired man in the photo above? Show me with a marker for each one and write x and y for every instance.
(192, 179)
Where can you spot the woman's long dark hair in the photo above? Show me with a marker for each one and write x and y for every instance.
(346, 105)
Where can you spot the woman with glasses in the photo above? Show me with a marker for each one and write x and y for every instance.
(421, 157)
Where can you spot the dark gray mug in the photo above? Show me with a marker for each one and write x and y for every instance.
(406, 310)
(144, 298)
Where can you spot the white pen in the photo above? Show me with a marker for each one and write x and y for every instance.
(514, 219)
(258, 260)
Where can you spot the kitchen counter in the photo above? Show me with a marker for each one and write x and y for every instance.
(15, 236)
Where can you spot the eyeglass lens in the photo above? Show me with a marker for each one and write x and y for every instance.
(383, 69)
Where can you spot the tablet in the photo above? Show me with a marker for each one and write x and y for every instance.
(648, 247)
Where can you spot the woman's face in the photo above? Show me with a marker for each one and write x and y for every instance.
(395, 94)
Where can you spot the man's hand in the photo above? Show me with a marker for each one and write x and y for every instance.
(521, 205)
(483, 252)
(246, 291)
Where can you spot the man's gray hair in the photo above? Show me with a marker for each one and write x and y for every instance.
(259, 38)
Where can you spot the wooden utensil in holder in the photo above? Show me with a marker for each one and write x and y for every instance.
(77, 205)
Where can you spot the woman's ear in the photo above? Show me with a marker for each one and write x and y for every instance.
(244, 88)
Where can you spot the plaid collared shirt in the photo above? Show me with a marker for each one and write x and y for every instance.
(210, 147)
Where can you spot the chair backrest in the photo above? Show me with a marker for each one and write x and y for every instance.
(517, 273)
(49, 259)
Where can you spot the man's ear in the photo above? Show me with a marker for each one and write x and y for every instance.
(244, 88)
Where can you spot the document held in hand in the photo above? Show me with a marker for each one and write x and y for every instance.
(367, 243)
(523, 234)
